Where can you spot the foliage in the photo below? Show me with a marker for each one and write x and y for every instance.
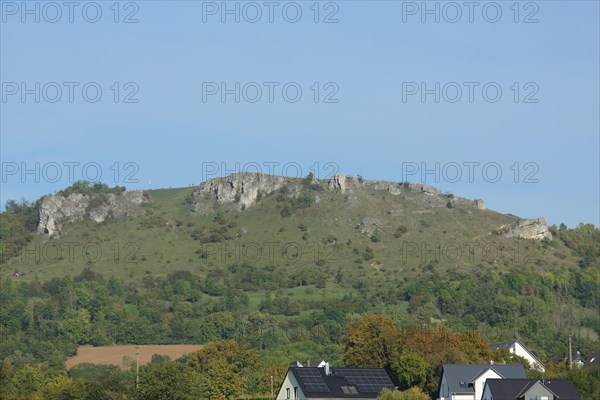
(224, 368)
(17, 225)
(586, 381)
(413, 393)
(272, 378)
(376, 236)
(168, 380)
(90, 188)
(370, 342)
(584, 240)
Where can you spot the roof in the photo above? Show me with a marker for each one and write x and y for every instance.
(503, 345)
(513, 389)
(343, 382)
(458, 376)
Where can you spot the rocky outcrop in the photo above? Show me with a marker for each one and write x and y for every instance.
(534, 229)
(341, 184)
(479, 203)
(242, 189)
(57, 210)
(337, 183)
(369, 225)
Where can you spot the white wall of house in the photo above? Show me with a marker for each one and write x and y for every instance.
(289, 383)
(479, 383)
(463, 397)
(520, 351)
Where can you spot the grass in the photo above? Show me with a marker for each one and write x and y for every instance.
(158, 240)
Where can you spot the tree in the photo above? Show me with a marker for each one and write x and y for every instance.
(370, 341)
(61, 387)
(413, 393)
(224, 367)
(586, 381)
(411, 370)
(168, 380)
(272, 378)
(104, 382)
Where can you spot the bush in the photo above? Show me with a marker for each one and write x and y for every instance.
(376, 236)
(401, 230)
(368, 254)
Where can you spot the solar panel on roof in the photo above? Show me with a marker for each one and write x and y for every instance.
(312, 380)
(367, 380)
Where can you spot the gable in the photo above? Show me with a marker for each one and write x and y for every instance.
(538, 390)
(460, 377)
(519, 349)
(525, 389)
(289, 382)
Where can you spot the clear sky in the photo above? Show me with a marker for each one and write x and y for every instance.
(461, 90)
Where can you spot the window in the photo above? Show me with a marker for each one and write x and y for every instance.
(287, 393)
(544, 397)
(349, 389)
(296, 393)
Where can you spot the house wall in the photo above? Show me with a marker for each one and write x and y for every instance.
(290, 382)
(480, 382)
(486, 393)
(463, 397)
(538, 392)
(518, 350)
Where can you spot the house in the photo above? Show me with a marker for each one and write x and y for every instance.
(517, 348)
(526, 389)
(322, 383)
(466, 381)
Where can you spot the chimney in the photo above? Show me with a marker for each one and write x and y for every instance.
(308, 363)
(327, 370)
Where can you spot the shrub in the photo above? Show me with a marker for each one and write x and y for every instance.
(401, 230)
(376, 236)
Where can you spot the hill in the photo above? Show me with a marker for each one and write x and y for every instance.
(274, 220)
(286, 263)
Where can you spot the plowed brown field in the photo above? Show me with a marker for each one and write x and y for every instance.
(114, 354)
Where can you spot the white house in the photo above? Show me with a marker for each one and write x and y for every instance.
(466, 381)
(517, 348)
(326, 383)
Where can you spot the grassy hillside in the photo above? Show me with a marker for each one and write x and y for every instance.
(303, 262)
(325, 236)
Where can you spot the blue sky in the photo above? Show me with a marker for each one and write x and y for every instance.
(368, 116)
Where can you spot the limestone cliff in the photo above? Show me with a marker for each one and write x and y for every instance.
(243, 190)
(57, 210)
(535, 229)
